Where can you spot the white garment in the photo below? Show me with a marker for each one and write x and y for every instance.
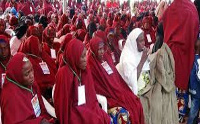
(14, 45)
(129, 60)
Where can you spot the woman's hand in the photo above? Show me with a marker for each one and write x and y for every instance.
(144, 54)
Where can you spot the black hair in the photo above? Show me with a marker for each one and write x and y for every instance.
(71, 12)
(36, 18)
(159, 38)
(92, 28)
(43, 20)
(21, 30)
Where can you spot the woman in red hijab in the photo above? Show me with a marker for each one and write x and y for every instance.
(63, 20)
(109, 83)
(21, 101)
(65, 29)
(43, 65)
(49, 45)
(149, 32)
(4, 57)
(74, 97)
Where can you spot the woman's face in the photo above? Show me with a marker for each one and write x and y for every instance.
(4, 50)
(28, 74)
(83, 61)
(140, 42)
(101, 51)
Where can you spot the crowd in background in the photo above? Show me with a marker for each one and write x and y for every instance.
(142, 59)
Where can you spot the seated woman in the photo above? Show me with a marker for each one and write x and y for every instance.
(124, 107)
(21, 101)
(43, 65)
(133, 65)
(75, 97)
(4, 57)
(49, 45)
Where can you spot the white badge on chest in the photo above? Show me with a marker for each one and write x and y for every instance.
(149, 38)
(113, 57)
(44, 67)
(107, 68)
(3, 76)
(36, 106)
(53, 53)
(81, 95)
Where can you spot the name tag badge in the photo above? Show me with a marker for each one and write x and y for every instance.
(107, 68)
(36, 106)
(3, 76)
(53, 54)
(81, 95)
(149, 38)
(113, 57)
(31, 9)
(44, 67)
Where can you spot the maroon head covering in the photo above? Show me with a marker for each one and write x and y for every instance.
(73, 60)
(63, 20)
(65, 29)
(112, 86)
(31, 46)
(13, 71)
(80, 34)
(32, 30)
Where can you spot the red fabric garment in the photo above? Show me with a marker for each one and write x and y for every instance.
(87, 40)
(65, 29)
(3, 62)
(16, 103)
(64, 41)
(32, 30)
(80, 34)
(63, 20)
(112, 86)
(2, 29)
(148, 31)
(66, 91)
(13, 21)
(48, 33)
(36, 56)
(28, 8)
(2, 5)
(46, 7)
(180, 23)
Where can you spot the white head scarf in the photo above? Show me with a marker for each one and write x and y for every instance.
(129, 60)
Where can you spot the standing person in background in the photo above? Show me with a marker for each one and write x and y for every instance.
(180, 24)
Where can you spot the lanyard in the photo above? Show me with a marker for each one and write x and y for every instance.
(3, 65)
(25, 88)
(79, 78)
(34, 56)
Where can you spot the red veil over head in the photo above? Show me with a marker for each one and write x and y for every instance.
(181, 23)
